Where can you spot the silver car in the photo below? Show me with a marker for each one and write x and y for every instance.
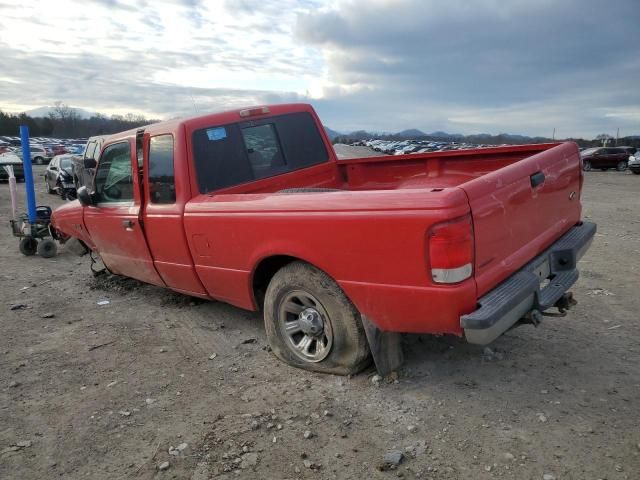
(39, 155)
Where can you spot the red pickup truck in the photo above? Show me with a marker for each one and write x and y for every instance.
(252, 207)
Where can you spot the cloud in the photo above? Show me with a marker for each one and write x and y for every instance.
(464, 66)
(465, 59)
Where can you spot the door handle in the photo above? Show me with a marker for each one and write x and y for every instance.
(537, 179)
(127, 224)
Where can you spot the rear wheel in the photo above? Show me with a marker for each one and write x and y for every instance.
(38, 160)
(311, 324)
(622, 166)
(28, 246)
(586, 166)
(637, 172)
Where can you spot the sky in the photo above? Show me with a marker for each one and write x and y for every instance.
(461, 66)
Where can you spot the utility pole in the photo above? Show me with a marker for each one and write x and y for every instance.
(553, 137)
(617, 136)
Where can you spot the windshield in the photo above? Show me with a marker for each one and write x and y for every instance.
(588, 151)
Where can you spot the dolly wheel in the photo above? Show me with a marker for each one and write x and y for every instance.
(28, 246)
(47, 248)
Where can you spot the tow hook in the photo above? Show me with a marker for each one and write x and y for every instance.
(565, 303)
(534, 317)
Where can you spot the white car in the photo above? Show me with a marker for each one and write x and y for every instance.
(634, 163)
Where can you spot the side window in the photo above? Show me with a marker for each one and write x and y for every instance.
(162, 188)
(263, 150)
(114, 179)
(88, 153)
(239, 153)
(220, 157)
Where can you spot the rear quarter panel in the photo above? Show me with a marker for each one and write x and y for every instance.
(371, 243)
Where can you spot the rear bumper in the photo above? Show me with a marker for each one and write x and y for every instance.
(521, 293)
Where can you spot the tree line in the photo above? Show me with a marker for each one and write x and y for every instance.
(65, 122)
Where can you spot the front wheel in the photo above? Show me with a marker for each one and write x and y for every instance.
(586, 166)
(637, 172)
(28, 246)
(311, 324)
(39, 160)
(622, 166)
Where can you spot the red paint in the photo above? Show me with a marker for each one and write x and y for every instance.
(372, 236)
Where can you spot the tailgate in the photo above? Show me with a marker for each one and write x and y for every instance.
(521, 209)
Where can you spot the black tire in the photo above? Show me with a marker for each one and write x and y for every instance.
(28, 246)
(622, 166)
(47, 248)
(39, 160)
(348, 351)
(636, 172)
(586, 166)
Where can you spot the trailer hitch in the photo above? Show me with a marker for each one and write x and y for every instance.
(563, 305)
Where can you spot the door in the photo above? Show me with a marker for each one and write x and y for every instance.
(601, 158)
(166, 194)
(113, 220)
(51, 173)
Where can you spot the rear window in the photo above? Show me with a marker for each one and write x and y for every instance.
(242, 152)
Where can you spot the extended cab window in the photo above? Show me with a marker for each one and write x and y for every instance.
(242, 152)
(162, 188)
(114, 178)
(89, 150)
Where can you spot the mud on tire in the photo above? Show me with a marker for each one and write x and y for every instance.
(348, 351)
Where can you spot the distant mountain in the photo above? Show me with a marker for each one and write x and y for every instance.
(45, 111)
(410, 133)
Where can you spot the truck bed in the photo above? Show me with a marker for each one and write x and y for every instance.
(436, 170)
(431, 170)
(328, 214)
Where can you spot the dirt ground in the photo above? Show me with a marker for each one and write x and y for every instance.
(111, 391)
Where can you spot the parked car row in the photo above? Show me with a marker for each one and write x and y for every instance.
(70, 162)
(43, 149)
(602, 158)
(402, 147)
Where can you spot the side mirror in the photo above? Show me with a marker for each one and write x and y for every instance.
(84, 197)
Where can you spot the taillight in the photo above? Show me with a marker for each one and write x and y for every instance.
(451, 250)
